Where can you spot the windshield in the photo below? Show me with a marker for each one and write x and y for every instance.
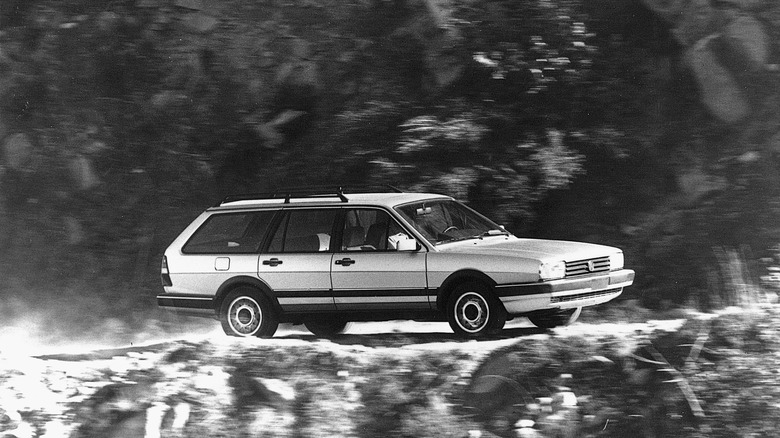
(443, 221)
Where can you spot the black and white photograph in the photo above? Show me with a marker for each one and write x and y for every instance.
(389, 218)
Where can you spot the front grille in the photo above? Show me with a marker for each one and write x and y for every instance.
(584, 296)
(589, 266)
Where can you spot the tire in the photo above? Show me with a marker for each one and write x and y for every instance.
(327, 328)
(473, 311)
(247, 312)
(548, 319)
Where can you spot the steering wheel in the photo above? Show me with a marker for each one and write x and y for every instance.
(450, 228)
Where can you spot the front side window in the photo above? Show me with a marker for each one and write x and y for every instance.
(443, 221)
(230, 233)
(304, 231)
(370, 230)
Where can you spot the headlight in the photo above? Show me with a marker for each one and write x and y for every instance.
(616, 261)
(552, 271)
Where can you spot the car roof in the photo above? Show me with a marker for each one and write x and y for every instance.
(388, 200)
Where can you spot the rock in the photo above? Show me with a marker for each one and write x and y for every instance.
(248, 391)
(286, 117)
(73, 230)
(298, 74)
(83, 173)
(526, 432)
(281, 388)
(747, 37)
(720, 91)
(566, 399)
(94, 147)
(695, 184)
(749, 157)
(199, 23)
(24, 430)
(17, 151)
(268, 132)
(108, 21)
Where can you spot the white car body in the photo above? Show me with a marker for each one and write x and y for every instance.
(331, 279)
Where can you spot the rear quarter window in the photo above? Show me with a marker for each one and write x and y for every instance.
(230, 233)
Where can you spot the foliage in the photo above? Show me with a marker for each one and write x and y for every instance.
(572, 119)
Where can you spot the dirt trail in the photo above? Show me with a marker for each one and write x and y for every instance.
(204, 382)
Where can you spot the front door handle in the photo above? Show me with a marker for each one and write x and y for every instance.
(345, 262)
(272, 262)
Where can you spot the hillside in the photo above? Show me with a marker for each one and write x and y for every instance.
(709, 376)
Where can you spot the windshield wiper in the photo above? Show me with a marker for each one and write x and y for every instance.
(488, 233)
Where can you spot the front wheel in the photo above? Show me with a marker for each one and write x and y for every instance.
(548, 319)
(246, 312)
(473, 311)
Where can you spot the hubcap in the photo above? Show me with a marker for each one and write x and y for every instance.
(245, 316)
(472, 312)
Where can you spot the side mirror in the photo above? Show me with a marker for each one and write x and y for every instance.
(406, 245)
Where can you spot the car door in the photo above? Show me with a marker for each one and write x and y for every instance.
(368, 273)
(296, 262)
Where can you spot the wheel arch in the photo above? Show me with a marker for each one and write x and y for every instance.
(457, 278)
(244, 280)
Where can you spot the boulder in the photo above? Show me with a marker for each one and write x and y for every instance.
(287, 117)
(302, 73)
(747, 37)
(17, 150)
(83, 173)
(108, 21)
(199, 23)
(74, 230)
(696, 183)
(720, 91)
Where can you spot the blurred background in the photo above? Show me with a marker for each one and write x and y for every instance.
(649, 125)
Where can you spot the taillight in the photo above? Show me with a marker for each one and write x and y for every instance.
(165, 276)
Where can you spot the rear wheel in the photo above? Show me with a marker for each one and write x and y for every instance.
(548, 319)
(247, 312)
(474, 311)
(327, 328)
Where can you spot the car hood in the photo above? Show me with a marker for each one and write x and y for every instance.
(536, 249)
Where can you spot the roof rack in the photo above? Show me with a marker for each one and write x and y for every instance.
(305, 192)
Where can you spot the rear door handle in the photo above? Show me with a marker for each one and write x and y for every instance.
(345, 262)
(273, 262)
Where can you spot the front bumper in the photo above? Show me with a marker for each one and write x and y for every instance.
(565, 293)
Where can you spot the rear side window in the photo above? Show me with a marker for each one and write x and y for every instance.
(304, 231)
(231, 233)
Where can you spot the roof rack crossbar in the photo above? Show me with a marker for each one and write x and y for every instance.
(303, 192)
